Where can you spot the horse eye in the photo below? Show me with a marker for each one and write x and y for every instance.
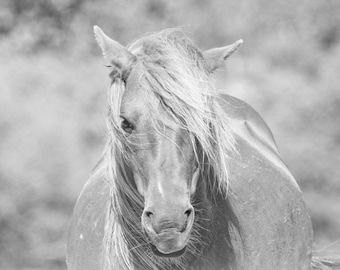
(126, 126)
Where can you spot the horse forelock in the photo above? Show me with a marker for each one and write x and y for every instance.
(174, 71)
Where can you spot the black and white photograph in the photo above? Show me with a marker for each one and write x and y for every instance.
(169, 135)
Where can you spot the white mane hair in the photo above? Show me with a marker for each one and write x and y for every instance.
(174, 70)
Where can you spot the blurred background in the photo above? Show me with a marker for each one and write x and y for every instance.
(53, 102)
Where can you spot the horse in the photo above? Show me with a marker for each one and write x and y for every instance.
(190, 178)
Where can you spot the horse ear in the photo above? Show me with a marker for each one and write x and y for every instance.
(113, 52)
(214, 58)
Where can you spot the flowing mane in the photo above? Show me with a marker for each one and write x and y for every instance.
(174, 71)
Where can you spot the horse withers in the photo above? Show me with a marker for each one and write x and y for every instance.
(190, 178)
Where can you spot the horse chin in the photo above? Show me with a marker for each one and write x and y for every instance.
(168, 254)
(170, 244)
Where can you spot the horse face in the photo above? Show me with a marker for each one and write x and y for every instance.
(164, 169)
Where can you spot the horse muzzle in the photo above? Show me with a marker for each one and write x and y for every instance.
(169, 233)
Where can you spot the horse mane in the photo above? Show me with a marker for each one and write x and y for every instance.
(173, 70)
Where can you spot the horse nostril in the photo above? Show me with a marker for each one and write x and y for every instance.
(148, 214)
(188, 212)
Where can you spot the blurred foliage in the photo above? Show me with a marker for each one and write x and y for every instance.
(52, 101)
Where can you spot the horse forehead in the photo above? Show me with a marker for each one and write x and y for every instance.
(165, 139)
(141, 103)
(135, 95)
(144, 107)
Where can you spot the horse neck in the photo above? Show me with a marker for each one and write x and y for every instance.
(221, 222)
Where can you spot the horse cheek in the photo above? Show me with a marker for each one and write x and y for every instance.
(139, 184)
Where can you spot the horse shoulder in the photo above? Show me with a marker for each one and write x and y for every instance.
(275, 225)
(247, 125)
(86, 232)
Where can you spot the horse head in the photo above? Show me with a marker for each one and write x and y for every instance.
(155, 129)
(163, 165)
